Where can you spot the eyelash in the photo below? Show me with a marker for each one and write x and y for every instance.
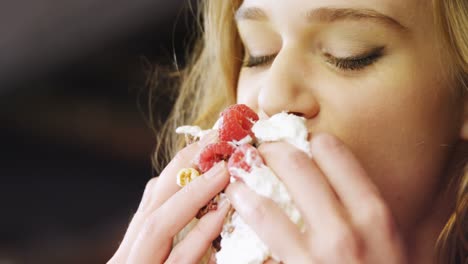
(347, 64)
(255, 61)
(355, 63)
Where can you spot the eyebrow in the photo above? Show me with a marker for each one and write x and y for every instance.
(325, 14)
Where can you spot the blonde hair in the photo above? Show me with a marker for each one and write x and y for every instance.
(208, 84)
(451, 20)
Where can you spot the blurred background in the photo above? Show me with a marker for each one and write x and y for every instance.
(76, 146)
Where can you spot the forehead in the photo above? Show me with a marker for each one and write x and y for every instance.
(407, 12)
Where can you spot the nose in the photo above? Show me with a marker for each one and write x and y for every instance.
(286, 87)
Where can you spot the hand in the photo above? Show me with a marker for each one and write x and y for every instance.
(166, 209)
(346, 219)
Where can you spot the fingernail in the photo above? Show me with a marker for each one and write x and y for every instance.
(215, 170)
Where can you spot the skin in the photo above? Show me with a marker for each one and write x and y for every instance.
(382, 137)
(399, 116)
(166, 208)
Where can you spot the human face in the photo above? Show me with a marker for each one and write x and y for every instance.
(368, 72)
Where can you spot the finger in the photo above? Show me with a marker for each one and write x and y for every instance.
(156, 194)
(185, 158)
(155, 237)
(199, 239)
(307, 185)
(360, 196)
(268, 221)
(121, 254)
(186, 203)
(343, 171)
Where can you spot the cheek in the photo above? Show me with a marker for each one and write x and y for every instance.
(402, 133)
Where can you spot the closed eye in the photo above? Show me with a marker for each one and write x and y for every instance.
(352, 63)
(255, 61)
(355, 63)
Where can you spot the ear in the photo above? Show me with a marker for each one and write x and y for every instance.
(464, 125)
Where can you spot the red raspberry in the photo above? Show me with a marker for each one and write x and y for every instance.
(244, 110)
(245, 157)
(237, 123)
(213, 153)
(234, 127)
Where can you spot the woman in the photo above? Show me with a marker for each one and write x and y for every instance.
(382, 85)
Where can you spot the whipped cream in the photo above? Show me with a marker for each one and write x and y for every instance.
(283, 126)
(239, 243)
(193, 131)
(197, 132)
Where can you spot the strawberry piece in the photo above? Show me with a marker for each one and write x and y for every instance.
(237, 123)
(213, 153)
(244, 110)
(244, 157)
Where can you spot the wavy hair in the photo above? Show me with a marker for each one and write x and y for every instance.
(451, 20)
(208, 83)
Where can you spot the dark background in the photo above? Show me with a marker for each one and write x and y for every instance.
(75, 142)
